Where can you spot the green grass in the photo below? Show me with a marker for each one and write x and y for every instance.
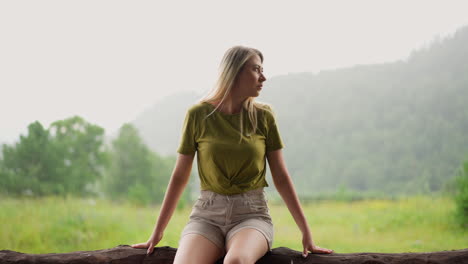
(55, 225)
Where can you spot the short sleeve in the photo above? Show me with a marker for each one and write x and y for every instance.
(187, 143)
(273, 138)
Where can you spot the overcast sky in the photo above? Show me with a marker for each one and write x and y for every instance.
(108, 61)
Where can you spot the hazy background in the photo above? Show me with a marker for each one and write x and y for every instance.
(370, 97)
(108, 61)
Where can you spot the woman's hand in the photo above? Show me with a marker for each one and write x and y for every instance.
(309, 246)
(152, 242)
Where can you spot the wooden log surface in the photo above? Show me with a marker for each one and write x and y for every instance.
(124, 254)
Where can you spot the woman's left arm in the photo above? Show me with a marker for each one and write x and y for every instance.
(285, 187)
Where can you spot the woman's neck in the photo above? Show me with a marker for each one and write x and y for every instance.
(231, 105)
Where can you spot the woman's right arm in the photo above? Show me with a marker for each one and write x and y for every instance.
(179, 179)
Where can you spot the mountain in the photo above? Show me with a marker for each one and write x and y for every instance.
(397, 127)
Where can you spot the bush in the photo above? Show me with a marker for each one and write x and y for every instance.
(461, 196)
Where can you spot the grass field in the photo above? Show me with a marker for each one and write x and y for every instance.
(52, 224)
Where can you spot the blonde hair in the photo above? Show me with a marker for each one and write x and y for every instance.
(232, 63)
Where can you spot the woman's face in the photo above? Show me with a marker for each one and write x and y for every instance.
(250, 79)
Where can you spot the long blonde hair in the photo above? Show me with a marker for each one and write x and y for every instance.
(233, 61)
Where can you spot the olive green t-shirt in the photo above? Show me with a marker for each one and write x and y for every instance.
(226, 166)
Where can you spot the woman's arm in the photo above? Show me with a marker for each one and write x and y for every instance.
(179, 180)
(285, 187)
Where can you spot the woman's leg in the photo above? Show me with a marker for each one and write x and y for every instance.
(246, 246)
(195, 248)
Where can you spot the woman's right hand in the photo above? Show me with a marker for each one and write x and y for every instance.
(152, 242)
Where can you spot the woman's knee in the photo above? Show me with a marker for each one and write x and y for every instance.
(237, 259)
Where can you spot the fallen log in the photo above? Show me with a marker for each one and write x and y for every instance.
(125, 254)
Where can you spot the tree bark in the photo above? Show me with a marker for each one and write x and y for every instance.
(125, 254)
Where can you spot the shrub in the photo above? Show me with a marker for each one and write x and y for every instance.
(461, 195)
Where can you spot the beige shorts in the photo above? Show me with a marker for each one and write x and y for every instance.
(218, 217)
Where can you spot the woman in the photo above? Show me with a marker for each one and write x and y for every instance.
(233, 136)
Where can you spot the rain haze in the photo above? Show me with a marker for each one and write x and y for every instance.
(108, 61)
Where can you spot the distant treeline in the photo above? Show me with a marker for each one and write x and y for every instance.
(70, 157)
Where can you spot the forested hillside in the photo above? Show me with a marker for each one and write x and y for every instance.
(398, 127)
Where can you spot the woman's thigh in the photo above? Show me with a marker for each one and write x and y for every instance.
(246, 246)
(195, 248)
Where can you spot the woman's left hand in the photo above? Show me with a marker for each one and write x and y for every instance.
(309, 246)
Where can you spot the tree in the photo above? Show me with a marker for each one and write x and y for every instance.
(64, 159)
(28, 167)
(79, 146)
(135, 172)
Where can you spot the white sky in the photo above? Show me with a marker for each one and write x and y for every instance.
(108, 61)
